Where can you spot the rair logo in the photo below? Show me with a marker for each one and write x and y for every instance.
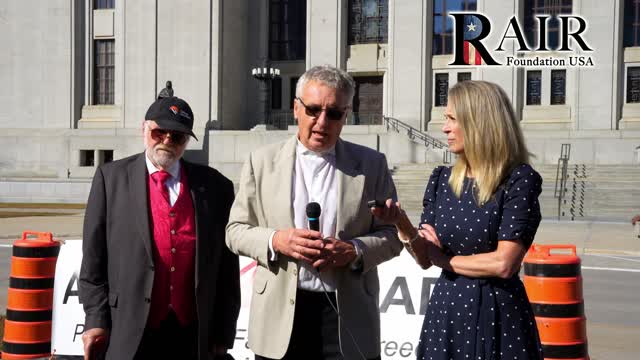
(471, 30)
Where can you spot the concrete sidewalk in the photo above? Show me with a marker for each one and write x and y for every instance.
(589, 237)
(61, 226)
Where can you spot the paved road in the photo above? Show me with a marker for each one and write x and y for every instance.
(612, 305)
(611, 298)
(610, 268)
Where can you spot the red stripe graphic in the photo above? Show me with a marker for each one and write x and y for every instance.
(466, 52)
(478, 57)
(471, 55)
(248, 267)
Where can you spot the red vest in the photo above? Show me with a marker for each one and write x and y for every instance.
(174, 235)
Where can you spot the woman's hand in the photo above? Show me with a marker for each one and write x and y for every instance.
(433, 246)
(390, 213)
(437, 256)
(429, 233)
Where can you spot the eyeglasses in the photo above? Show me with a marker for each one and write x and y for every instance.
(315, 111)
(176, 137)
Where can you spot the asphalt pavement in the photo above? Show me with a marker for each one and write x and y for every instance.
(610, 254)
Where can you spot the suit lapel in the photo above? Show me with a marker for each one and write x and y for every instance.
(139, 192)
(350, 186)
(283, 165)
(202, 215)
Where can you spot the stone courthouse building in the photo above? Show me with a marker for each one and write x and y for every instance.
(76, 78)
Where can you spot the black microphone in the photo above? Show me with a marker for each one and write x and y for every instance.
(313, 215)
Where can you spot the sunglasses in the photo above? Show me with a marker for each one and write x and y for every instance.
(176, 137)
(316, 110)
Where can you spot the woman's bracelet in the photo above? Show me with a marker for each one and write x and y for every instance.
(408, 244)
(410, 241)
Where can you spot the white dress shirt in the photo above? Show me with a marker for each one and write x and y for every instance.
(172, 183)
(315, 180)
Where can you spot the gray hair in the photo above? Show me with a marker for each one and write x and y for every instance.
(330, 76)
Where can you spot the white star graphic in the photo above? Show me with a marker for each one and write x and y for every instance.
(471, 27)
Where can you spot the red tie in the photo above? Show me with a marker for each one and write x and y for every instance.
(161, 177)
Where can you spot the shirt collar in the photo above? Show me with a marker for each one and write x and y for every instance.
(302, 150)
(174, 170)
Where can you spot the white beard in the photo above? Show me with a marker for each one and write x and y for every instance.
(164, 159)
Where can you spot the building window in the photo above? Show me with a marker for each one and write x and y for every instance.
(633, 84)
(443, 24)
(558, 87)
(276, 93)
(464, 76)
(545, 7)
(631, 23)
(368, 21)
(534, 88)
(287, 29)
(292, 91)
(104, 73)
(87, 158)
(442, 89)
(105, 156)
(104, 4)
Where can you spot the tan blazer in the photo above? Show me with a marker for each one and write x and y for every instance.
(263, 204)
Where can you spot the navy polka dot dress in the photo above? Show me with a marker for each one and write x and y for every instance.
(480, 318)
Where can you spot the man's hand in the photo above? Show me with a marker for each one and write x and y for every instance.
(336, 253)
(305, 245)
(635, 219)
(95, 342)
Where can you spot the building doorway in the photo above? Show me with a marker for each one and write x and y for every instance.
(367, 101)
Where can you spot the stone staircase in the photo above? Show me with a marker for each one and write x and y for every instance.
(593, 192)
(411, 181)
(615, 192)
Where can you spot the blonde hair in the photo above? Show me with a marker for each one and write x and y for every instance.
(493, 141)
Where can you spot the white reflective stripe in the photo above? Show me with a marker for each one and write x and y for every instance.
(610, 269)
(615, 257)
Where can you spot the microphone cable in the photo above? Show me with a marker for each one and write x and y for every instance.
(313, 212)
(340, 318)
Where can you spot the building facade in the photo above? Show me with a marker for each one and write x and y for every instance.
(76, 77)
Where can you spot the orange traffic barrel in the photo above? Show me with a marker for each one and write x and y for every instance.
(554, 286)
(27, 327)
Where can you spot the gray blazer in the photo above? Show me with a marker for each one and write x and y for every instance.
(116, 276)
(264, 204)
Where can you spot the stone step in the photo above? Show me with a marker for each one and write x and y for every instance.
(609, 192)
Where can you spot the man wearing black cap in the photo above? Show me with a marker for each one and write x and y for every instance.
(157, 281)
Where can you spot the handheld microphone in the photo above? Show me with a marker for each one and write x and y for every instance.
(313, 215)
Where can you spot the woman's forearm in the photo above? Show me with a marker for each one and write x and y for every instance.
(405, 228)
(416, 245)
(420, 248)
(504, 262)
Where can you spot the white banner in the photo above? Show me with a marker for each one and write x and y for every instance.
(68, 315)
(404, 294)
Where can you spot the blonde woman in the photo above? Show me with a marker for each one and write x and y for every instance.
(479, 218)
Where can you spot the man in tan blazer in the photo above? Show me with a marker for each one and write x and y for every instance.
(305, 277)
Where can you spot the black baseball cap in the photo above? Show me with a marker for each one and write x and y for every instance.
(172, 113)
